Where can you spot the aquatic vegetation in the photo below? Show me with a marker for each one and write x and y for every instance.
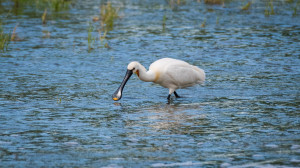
(164, 22)
(58, 5)
(213, 2)
(53, 5)
(108, 14)
(14, 36)
(102, 37)
(269, 8)
(4, 39)
(103, 40)
(91, 39)
(247, 6)
(44, 16)
(173, 3)
(295, 9)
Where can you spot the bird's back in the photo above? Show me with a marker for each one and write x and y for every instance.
(176, 74)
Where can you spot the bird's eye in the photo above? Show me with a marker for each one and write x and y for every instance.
(133, 69)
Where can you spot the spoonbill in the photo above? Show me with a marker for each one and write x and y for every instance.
(169, 73)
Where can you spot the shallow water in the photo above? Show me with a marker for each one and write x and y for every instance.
(55, 95)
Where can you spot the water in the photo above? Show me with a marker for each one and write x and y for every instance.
(56, 106)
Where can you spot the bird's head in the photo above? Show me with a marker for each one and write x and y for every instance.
(132, 67)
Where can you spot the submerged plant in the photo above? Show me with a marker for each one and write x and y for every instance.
(4, 39)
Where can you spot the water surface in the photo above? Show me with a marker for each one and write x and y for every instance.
(55, 94)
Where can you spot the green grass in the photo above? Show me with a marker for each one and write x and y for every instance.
(4, 39)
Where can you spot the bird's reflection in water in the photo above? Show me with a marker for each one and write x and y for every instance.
(177, 118)
(117, 104)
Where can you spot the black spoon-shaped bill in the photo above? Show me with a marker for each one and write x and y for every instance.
(118, 93)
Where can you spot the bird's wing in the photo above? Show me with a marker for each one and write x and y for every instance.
(183, 75)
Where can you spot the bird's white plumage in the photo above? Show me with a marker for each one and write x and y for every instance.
(169, 73)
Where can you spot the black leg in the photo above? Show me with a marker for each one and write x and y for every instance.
(169, 96)
(176, 95)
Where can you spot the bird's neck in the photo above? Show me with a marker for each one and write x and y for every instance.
(144, 75)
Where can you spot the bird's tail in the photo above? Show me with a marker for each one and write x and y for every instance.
(201, 75)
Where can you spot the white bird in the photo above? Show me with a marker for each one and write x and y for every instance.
(169, 73)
